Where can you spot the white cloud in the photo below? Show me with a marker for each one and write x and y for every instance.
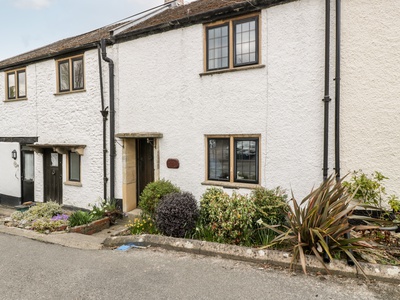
(32, 4)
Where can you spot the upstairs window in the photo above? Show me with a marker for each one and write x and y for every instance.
(232, 44)
(70, 74)
(233, 159)
(16, 84)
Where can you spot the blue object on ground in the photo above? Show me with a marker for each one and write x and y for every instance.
(128, 246)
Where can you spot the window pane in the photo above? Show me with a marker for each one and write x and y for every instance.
(74, 167)
(246, 160)
(11, 85)
(224, 31)
(225, 42)
(218, 159)
(28, 166)
(64, 75)
(224, 52)
(54, 159)
(246, 39)
(77, 67)
(238, 39)
(21, 84)
(252, 47)
(217, 47)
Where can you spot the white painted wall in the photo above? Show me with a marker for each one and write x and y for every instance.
(61, 119)
(10, 171)
(160, 90)
(370, 111)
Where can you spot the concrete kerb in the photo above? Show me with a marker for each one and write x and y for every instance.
(271, 257)
(72, 240)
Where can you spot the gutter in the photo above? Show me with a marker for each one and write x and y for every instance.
(112, 118)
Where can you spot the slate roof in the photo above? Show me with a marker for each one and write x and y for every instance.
(199, 11)
(83, 41)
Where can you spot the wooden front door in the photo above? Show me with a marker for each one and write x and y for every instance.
(28, 176)
(145, 164)
(52, 163)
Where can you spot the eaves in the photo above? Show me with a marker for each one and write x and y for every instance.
(47, 56)
(201, 18)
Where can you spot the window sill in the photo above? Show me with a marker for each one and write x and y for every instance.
(232, 185)
(69, 92)
(232, 70)
(73, 183)
(15, 100)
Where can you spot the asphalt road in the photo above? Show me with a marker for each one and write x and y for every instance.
(35, 270)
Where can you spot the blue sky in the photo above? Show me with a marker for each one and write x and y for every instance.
(29, 24)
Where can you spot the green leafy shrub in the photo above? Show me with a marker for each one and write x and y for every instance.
(369, 189)
(80, 218)
(394, 203)
(43, 225)
(152, 193)
(142, 225)
(17, 216)
(176, 214)
(321, 215)
(229, 218)
(272, 206)
(103, 207)
(40, 210)
(272, 209)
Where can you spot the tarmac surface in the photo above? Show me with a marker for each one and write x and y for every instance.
(111, 238)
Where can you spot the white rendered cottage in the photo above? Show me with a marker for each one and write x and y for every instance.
(211, 93)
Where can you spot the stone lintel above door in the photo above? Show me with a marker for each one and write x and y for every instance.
(59, 148)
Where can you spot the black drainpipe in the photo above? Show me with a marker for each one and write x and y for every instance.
(337, 107)
(112, 119)
(104, 113)
(337, 91)
(326, 99)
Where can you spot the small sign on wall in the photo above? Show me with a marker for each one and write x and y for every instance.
(173, 163)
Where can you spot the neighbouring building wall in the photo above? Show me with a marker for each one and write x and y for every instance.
(10, 174)
(161, 90)
(370, 112)
(71, 118)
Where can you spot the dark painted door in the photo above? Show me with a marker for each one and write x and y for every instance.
(145, 164)
(28, 176)
(52, 176)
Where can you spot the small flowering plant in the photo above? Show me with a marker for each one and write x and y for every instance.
(60, 217)
(142, 225)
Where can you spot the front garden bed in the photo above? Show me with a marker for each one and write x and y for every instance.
(92, 227)
(50, 217)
